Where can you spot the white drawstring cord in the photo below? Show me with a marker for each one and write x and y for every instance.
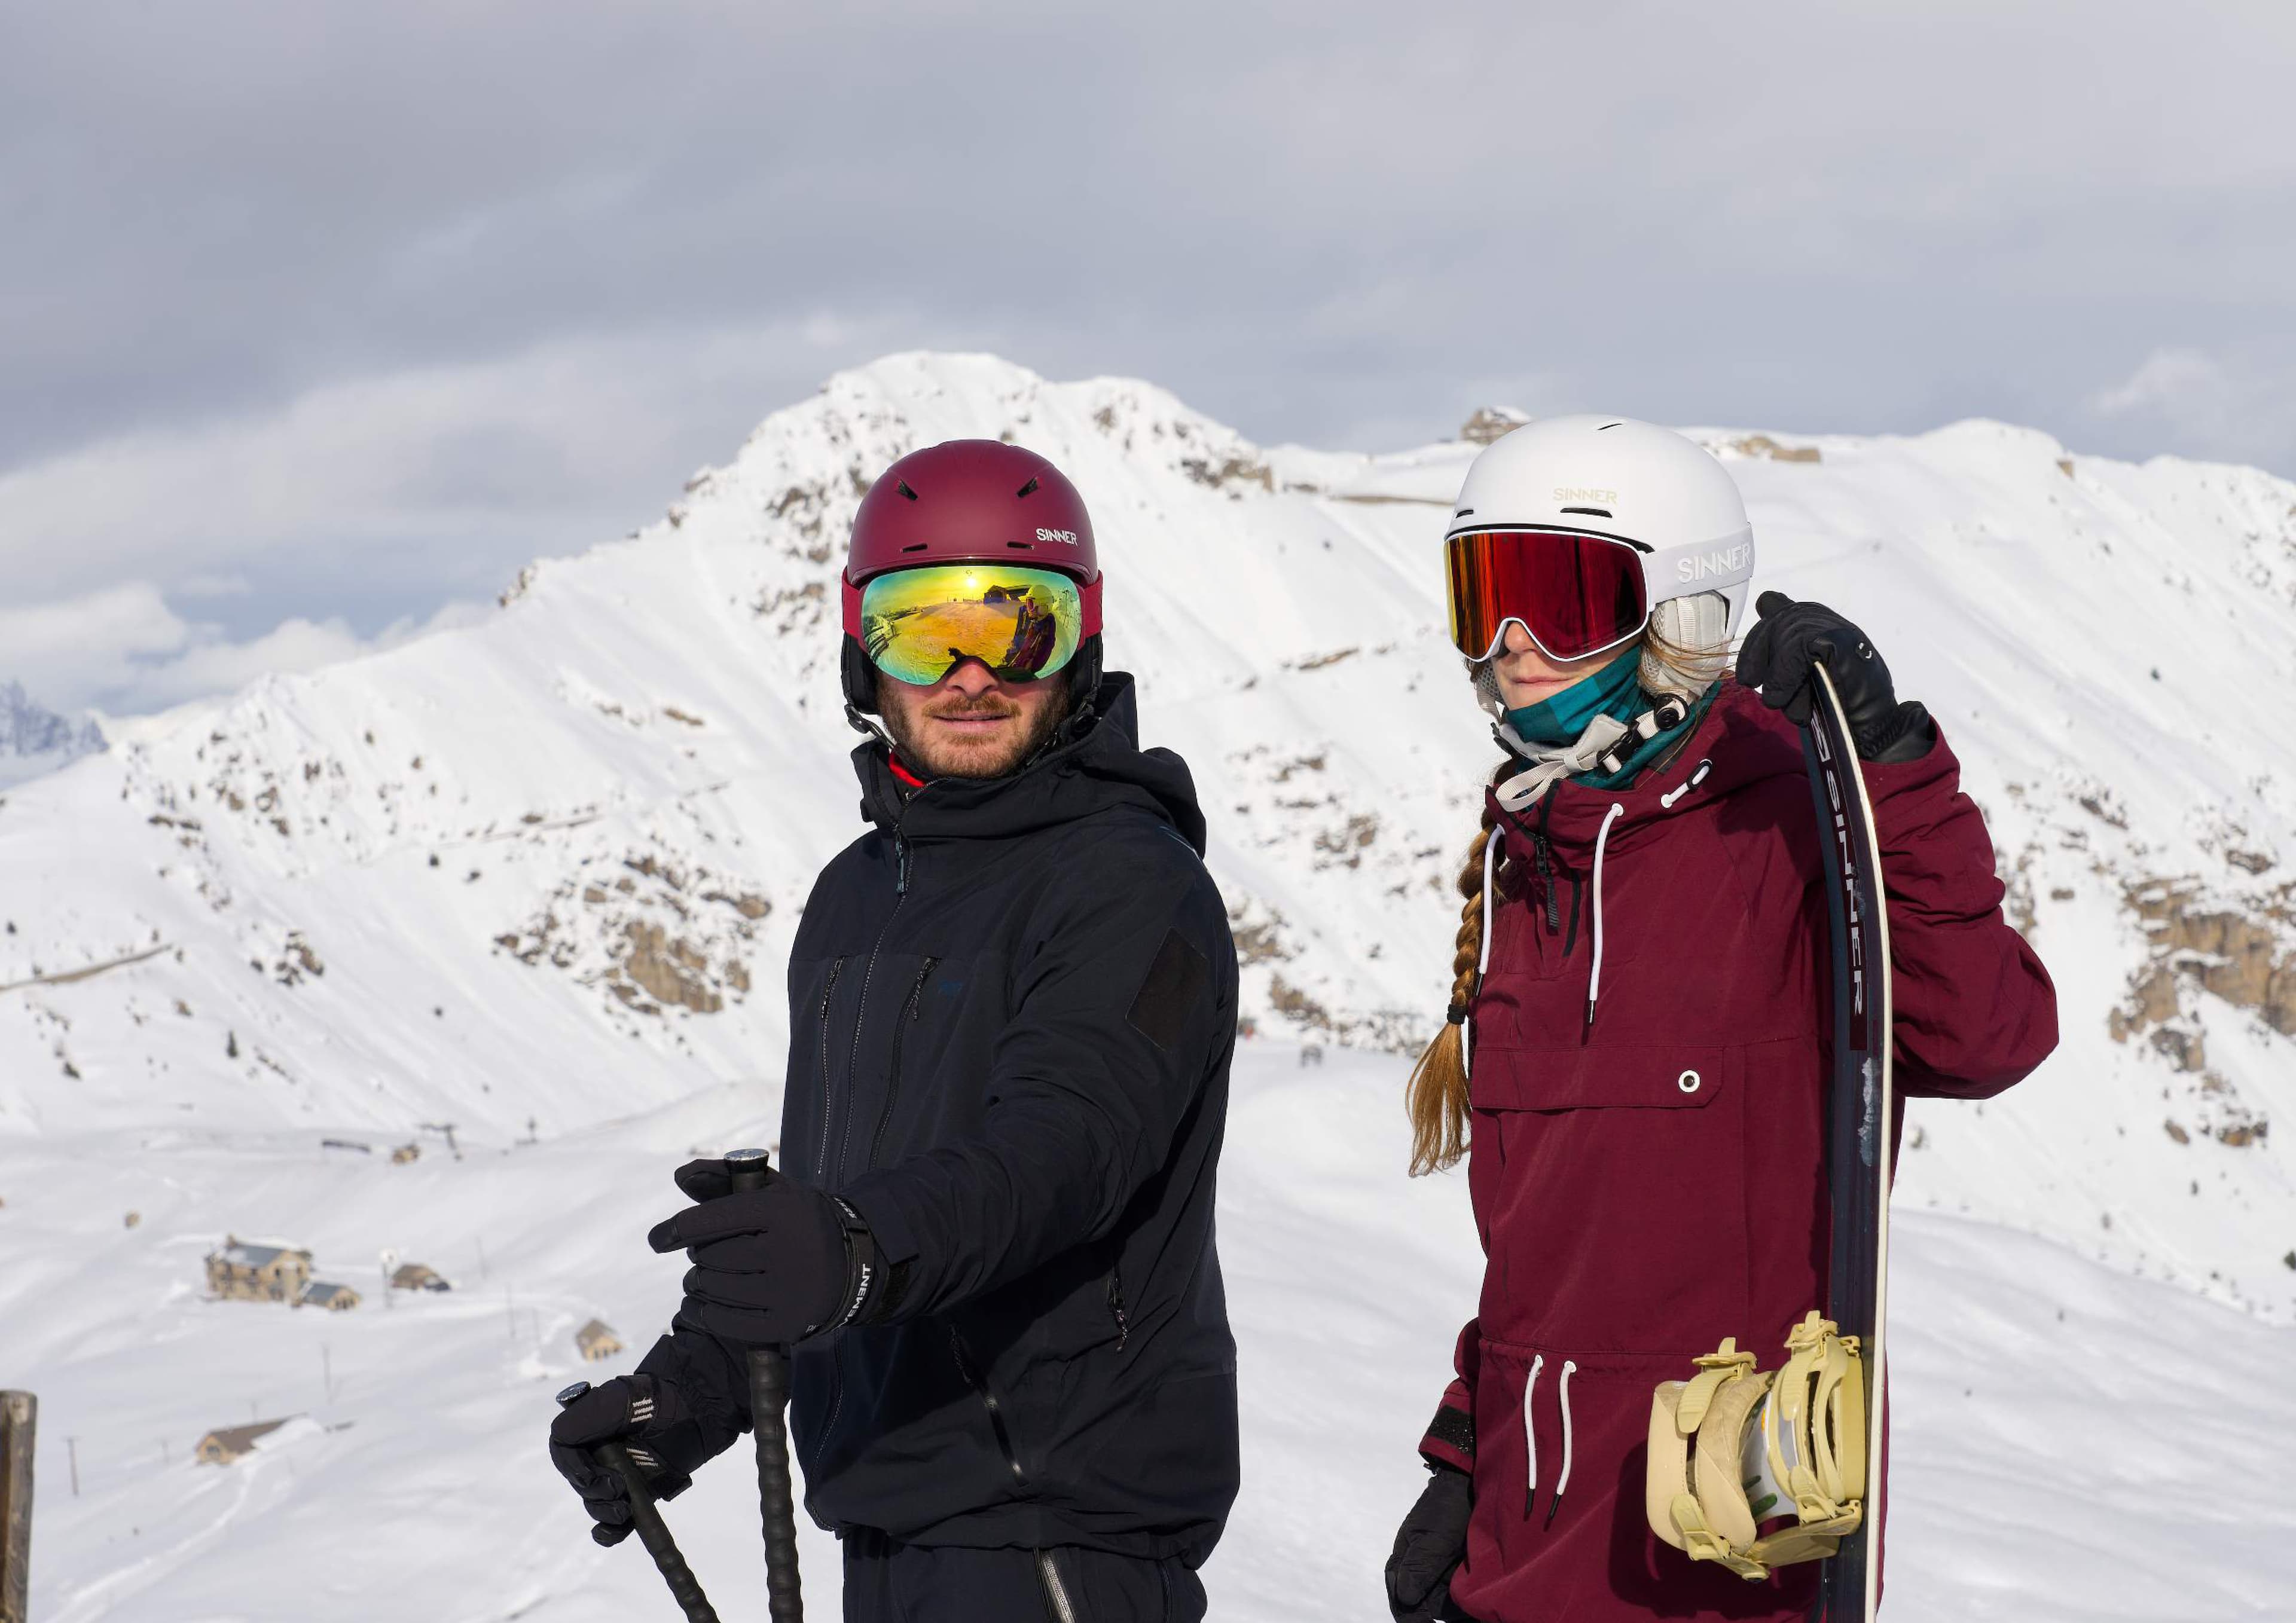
(1490, 868)
(1686, 786)
(1570, 1367)
(1482, 959)
(1530, 1438)
(1595, 978)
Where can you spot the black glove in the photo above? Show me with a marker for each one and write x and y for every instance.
(1429, 1547)
(649, 1415)
(1790, 637)
(771, 1265)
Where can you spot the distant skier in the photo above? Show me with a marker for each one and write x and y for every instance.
(1011, 1009)
(1638, 1009)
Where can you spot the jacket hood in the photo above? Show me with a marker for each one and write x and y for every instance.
(1101, 768)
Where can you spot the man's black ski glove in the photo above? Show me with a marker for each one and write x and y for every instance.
(1790, 637)
(650, 1417)
(1429, 1547)
(771, 1265)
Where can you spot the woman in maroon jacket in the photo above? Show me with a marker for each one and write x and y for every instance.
(1635, 1042)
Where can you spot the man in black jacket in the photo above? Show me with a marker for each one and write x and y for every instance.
(1012, 1010)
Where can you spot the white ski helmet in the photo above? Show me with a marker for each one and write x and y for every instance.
(1662, 493)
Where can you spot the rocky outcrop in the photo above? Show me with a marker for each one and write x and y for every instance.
(2232, 950)
(1491, 422)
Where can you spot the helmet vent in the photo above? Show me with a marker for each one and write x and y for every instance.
(902, 485)
(1606, 427)
(1026, 546)
(1030, 488)
(916, 547)
(1598, 512)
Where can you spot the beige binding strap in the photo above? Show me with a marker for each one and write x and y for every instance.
(1712, 1436)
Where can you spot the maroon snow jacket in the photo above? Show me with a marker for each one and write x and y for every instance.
(1648, 1178)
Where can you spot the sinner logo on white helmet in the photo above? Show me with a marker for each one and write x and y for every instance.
(1578, 528)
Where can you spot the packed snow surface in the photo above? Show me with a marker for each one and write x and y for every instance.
(522, 891)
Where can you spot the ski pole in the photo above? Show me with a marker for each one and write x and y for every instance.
(769, 1396)
(645, 1518)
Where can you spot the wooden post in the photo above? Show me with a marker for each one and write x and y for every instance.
(19, 1415)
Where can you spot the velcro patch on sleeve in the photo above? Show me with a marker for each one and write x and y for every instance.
(1176, 981)
(1454, 1429)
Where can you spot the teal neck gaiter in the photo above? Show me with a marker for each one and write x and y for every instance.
(1611, 691)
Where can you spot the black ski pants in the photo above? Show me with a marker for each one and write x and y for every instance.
(887, 1582)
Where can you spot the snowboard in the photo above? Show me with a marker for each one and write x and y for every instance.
(1859, 1106)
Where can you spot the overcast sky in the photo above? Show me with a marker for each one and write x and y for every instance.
(317, 319)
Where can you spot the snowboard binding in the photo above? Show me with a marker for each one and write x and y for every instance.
(1734, 1450)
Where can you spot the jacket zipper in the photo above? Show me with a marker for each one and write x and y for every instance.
(868, 974)
(908, 1018)
(821, 1156)
(1542, 854)
(852, 1064)
(1115, 1305)
(973, 1379)
(1056, 1591)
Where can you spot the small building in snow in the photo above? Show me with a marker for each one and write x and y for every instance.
(333, 1297)
(595, 1340)
(257, 1271)
(415, 1276)
(225, 1444)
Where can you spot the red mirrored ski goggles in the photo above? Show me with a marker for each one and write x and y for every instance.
(1576, 594)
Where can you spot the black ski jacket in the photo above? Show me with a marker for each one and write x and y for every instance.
(1012, 1010)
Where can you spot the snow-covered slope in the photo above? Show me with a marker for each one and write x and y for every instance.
(533, 879)
(2071, 1445)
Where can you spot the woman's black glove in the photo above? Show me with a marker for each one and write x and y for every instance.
(649, 1415)
(771, 1265)
(1429, 1547)
(1790, 637)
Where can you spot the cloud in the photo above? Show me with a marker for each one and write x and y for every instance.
(2189, 401)
(122, 650)
(397, 486)
(2184, 384)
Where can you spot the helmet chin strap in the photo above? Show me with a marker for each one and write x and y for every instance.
(869, 725)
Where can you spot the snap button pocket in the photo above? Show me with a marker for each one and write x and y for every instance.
(1688, 1081)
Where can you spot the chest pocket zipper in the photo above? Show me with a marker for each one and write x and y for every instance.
(828, 991)
(908, 1017)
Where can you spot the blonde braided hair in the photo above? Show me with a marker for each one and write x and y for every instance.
(1437, 1094)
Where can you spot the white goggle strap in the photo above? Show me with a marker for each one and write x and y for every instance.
(1710, 566)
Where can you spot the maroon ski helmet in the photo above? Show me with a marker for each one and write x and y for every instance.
(968, 501)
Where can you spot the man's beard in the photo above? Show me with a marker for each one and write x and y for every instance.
(918, 748)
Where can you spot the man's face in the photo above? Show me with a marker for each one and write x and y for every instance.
(970, 723)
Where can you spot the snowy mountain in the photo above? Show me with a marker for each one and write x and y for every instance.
(35, 740)
(533, 881)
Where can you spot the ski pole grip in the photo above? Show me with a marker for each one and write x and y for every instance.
(769, 1396)
(645, 1520)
